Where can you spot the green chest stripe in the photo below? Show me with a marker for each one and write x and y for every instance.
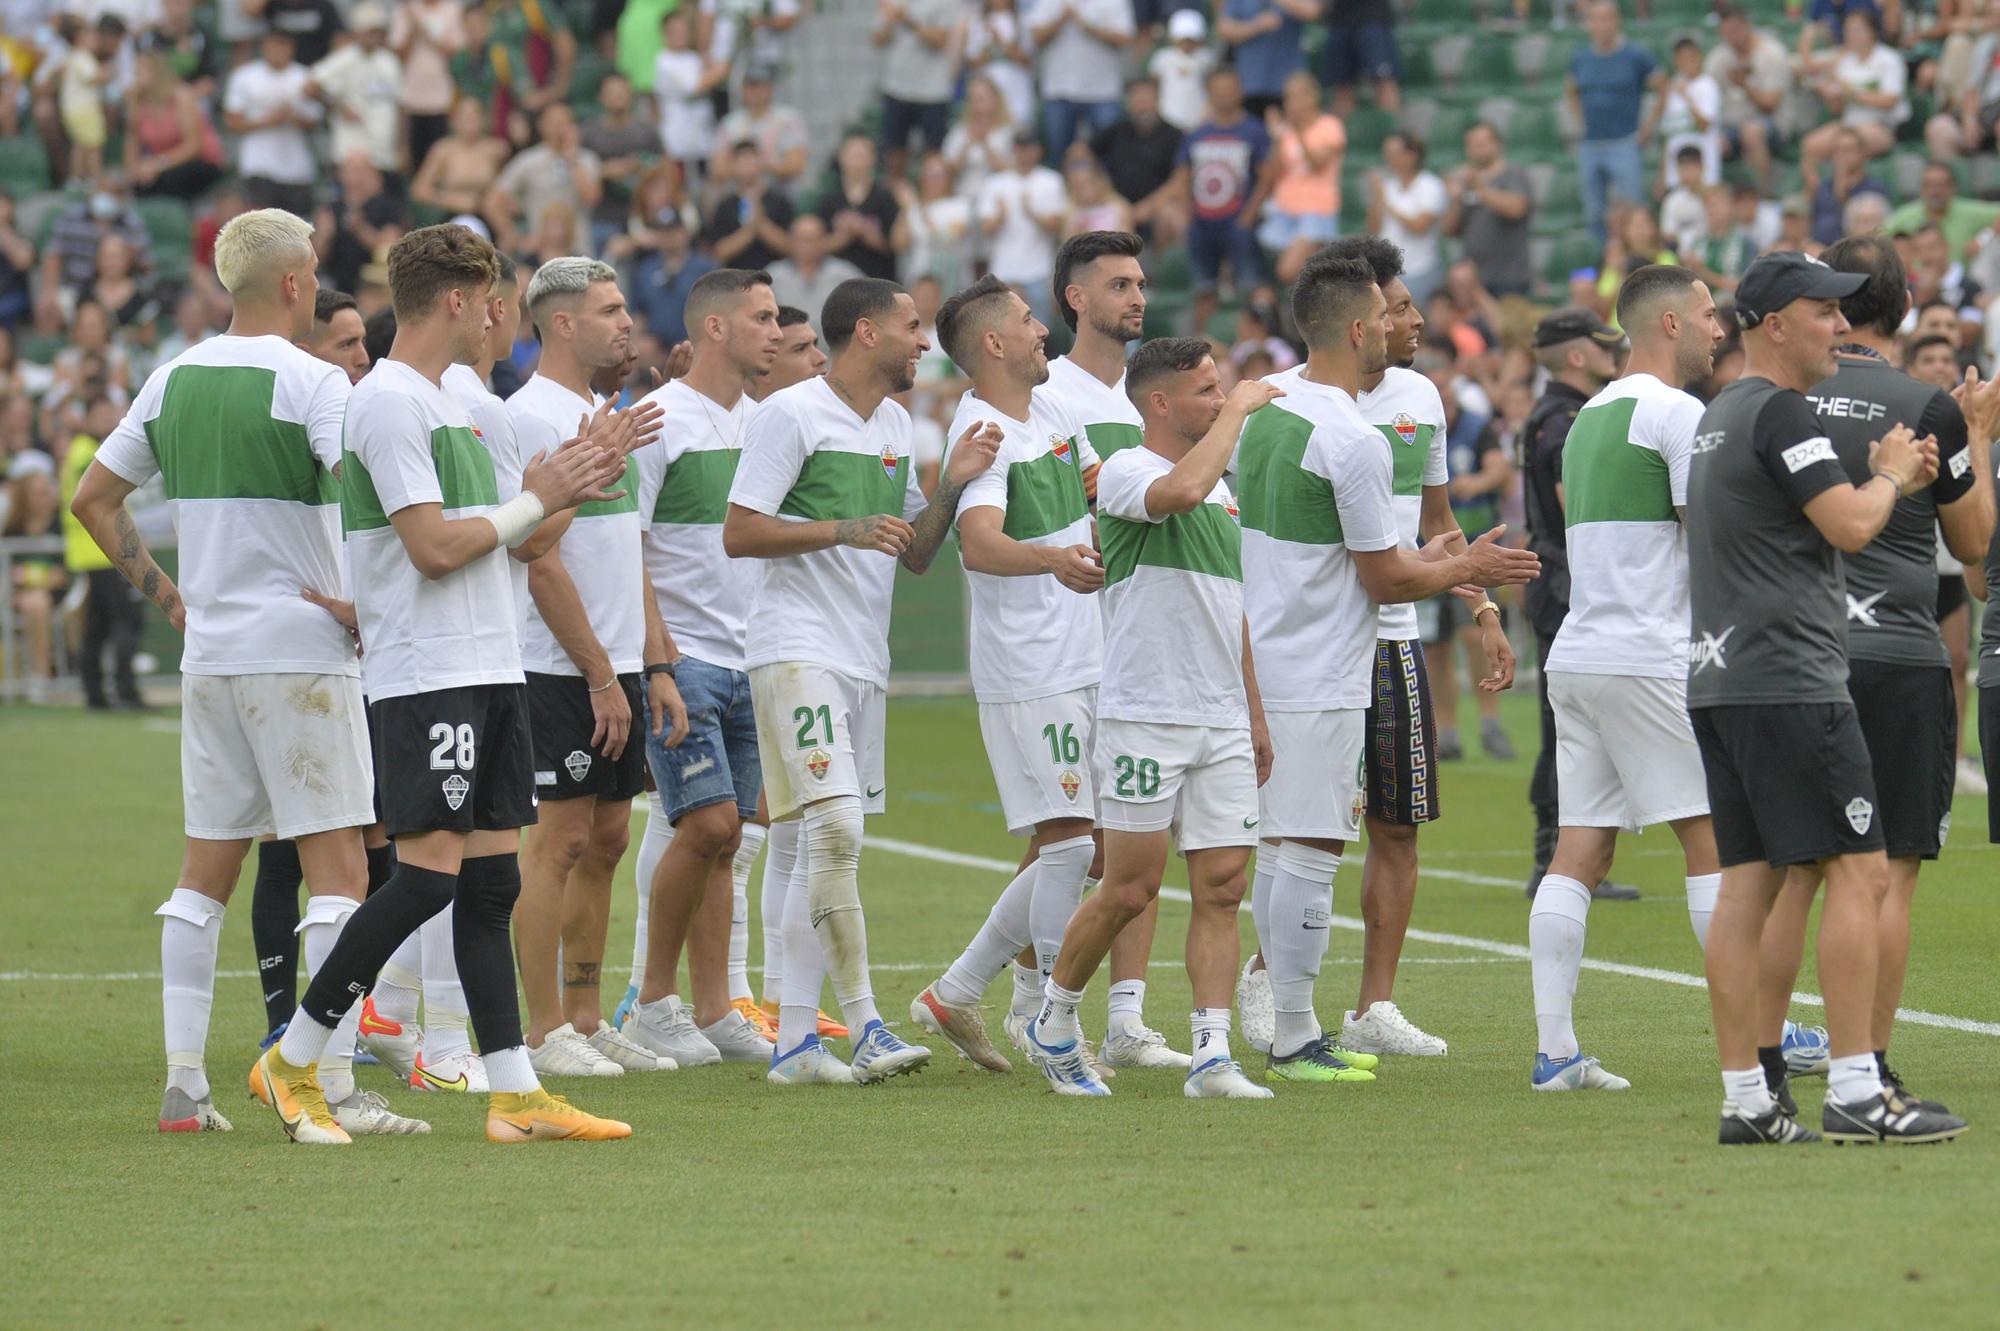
(1279, 497)
(1204, 541)
(1408, 457)
(1044, 495)
(834, 486)
(464, 471)
(1607, 477)
(625, 503)
(695, 490)
(215, 438)
(1110, 437)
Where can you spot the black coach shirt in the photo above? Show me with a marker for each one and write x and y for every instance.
(1543, 435)
(1766, 587)
(1892, 582)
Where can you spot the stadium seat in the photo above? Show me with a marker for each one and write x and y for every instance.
(23, 164)
(1569, 253)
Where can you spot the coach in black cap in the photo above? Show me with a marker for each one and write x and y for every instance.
(1769, 509)
(1580, 353)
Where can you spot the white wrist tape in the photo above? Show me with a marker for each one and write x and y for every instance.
(517, 519)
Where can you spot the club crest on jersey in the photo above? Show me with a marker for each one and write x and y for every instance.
(1860, 814)
(578, 764)
(817, 762)
(889, 461)
(1070, 783)
(456, 788)
(1060, 446)
(1229, 507)
(1405, 427)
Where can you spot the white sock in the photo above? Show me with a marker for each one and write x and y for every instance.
(1210, 1028)
(1702, 890)
(1057, 1025)
(1260, 894)
(444, 996)
(652, 845)
(830, 841)
(319, 928)
(1027, 991)
(304, 1040)
(1059, 879)
(781, 863)
(508, 1071)
(1748, 1090)
(1004, 934)
(1128, 1007)
(804, 974)
(190, 938)
(1294, 939)
(739, 911)
(1854, 1078)
(1555, 954)
(397, 988)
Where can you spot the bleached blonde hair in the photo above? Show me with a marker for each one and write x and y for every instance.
(252, 245)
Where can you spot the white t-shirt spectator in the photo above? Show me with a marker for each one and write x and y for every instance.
(687, 117)
(1076, 67)
(1769, 70)
(1684, 218)
(974, 157)
(363, 87)
(282, 153)
(1024, 251)
(1182, 76)
(1424, 194)
(912, 69)
(1881, 71)
(763, 46)
(985, 39)
(1702, 95)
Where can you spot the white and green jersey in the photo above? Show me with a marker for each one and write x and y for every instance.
(1313, 481)
(1173, 590)
(1624, 472)
(495, 429)
(409, 442)
(600, 550)
(1031, 637)
(1109, 421)
(682, 486)
(808, 458)
(1406, 409)
(244, 433)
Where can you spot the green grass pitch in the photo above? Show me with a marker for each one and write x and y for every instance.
(1444, 1194)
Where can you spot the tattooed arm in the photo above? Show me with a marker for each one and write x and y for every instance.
(100, 506)
(972, 454)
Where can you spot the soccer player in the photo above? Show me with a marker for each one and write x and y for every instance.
(707, 783)
(338, 335)
(244, 432)
(428, 544)
(1770, 510)
(1322, 552)
(1617, 671)
(1180, 745)
(1037, 647)
(583, 644)
(1898, 672)
(825, 489)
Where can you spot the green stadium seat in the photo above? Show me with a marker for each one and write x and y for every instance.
(23, 164)
(1449, 56)
(1498, 112)
(1418, 71)
(1536, 131)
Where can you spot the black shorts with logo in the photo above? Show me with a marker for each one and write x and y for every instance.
(1788, 783)
(1909, 719)
(567, 766)
(1401, 738)
(454, 760)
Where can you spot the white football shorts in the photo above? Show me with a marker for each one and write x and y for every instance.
(1318, 783)
(820, 733)
(1200, 781)
(1626, 755)
(1040, 751)
(284, 754)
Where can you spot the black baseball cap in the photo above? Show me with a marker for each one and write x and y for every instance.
(1572, 322)
(1776, 280)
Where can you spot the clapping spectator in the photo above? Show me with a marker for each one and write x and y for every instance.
(1266, 37)
(809, 276)
(750, 226)
(626, 144)
(1082, 45)
(659, 204)
(559, 169)
(269, 106)
(1181, 68)
(1689, 112)
(1022, 211)
(1406, 205)
(982, 142)
(934, 227)
(1304, 211)
(1865, 87)
(920, 42)
(684, 76)
(997, 45)
(1607, 85)
(1226, 171)
(859, 211)
(360, 83)
(1837, 187)
(780, 131)
(461, 167)
(1361, 48)
(425, 35)
(171, 146)
(1140, 153)
(1754, 72)
(1491, 204)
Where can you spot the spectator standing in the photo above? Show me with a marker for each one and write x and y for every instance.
(684, 77)
(982, 142)
(1227, 170)
(934, 227)
(997, 45)
(1836, 188)
(1022, 210)
(859, 211)
(1865, 86)
(1689, 112)
(809, 276)
(1140, 153)
(534, 52)
(460, 168)
(112, 606)
(1304, 211)
(425, 35)
(28, 504)
(1181, 68)
(1361, 48)
(171, 146)
(1754, 71)
(627, 145)
(184, 41)
(1968, 113)
(1267, 37)
(360, 84)
(311, 24)
(664, 274)
(920, 41)
(750, 226)
(1406, 206)
(1490, 210)
(1607, 85)
(558, 170)
(779, 131)
(86, 70)
(268, 104)
(1082, 45)
(1938, 203)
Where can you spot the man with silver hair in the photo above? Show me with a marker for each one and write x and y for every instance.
(591, 625)
(245, 431)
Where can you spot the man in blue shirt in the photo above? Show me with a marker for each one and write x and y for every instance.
(1607, 85)
(1268, 37)
(1227, 167)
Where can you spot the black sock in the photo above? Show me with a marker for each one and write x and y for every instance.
(381, 865)
(274, 928)
(1773, 1058)
(487, 887)
(371, 935)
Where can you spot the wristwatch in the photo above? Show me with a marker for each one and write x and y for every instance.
(666, 668)
(1483, 607)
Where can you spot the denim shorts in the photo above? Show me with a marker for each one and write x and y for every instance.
(718, 759)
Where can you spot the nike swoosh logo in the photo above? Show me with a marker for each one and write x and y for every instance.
(525, 1132)
(1251, 822)
(438, 1083)
(875, 794)
(1316, 928)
